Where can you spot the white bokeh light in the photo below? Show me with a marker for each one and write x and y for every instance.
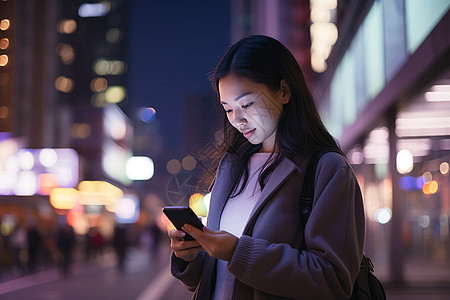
(139, 168)
(48, 157)
(405, 161)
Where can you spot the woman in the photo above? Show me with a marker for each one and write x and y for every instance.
(255, 246)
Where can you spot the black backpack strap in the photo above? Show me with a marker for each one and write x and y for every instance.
(307, 195)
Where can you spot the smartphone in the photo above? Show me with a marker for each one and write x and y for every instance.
(180, 215)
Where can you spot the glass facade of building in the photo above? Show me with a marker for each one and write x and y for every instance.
(402, 158)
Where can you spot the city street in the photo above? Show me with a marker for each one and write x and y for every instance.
(143, 279)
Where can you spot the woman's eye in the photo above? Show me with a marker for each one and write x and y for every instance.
(247, 105)
(228, 110)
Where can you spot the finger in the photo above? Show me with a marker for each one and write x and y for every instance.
(176, 234)
(207, 230)
(183, 245)
(188, 254)
(194, 231)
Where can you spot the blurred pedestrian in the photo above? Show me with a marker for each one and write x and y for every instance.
(120, 244)
(19, 245)
(65, 241)
(34, 246)
(97, 242)
(156, 236)
(255, 245)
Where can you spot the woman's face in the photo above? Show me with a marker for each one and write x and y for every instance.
(253, 109)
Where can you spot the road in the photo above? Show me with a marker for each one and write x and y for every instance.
(147, 278)
(144, 278)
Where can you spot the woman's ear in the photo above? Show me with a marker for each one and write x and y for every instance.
(285, 91)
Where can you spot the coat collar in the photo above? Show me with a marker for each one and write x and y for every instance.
(227, 177)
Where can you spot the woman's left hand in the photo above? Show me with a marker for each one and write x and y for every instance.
(218, 244)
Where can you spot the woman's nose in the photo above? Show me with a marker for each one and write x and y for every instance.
(239, 119)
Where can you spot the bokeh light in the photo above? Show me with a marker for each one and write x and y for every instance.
(47, 182)
(4, 43)
(189, 163)
(4, 59)
(383, 215)
(48, 157)
(139, 168)
(99, 85)
(66, 52)
(430, 187)
(115, 94)
(127, 209)
(113, 35)
(81, 130)
(173, 166)
(64, 84)
(444, 168)
(404, 161)
(64, 198)
(66, 26)
(147, 114)
(26, 160)
(4, 24)
(197, 205)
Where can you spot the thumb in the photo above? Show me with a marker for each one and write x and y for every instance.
(207, 230)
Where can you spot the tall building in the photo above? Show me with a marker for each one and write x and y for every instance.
(62, 100)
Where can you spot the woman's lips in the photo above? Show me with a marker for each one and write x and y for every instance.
(247, 134)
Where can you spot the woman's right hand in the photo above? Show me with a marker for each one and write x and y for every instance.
(186, 250)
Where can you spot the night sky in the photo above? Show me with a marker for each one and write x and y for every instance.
(173, 47)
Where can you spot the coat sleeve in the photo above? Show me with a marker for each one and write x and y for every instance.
(334, 236)
(188, 273)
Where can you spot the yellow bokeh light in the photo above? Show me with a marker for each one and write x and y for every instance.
(197, 205)
(189, 163)
(99, 85)
(173, 166)
(66, 52)
(67, 26)
(81, 130)
(99, 193)
(430, 187)
(64, 198)
(64, 84)
(4, 24)
(115, 94)
(3, 60)
(4, 43)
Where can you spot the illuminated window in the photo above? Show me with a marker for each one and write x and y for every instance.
(374, 50)
(421, 18)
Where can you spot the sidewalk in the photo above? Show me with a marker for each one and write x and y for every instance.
(421, 281)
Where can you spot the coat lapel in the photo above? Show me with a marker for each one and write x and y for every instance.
(227, 176)
(276, 179)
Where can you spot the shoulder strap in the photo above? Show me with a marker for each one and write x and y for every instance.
(307, 194)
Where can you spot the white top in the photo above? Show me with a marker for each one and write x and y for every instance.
(234, 217)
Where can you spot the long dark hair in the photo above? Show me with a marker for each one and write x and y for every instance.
(300, 130)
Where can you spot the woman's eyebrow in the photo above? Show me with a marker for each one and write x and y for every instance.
(238, 97)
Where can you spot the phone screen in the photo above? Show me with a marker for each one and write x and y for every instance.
(180, 215)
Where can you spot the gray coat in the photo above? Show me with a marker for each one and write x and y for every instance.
(267, 263)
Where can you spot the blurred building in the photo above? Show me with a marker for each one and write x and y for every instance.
(380, 71)
(62, 100)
